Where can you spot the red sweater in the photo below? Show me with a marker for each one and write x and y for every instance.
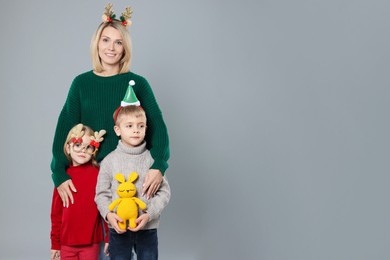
(80, 224)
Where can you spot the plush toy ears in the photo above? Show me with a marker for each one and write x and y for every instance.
(132, 177)
(120, 177)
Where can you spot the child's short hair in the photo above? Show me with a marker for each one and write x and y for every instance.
(136, 111)
(87, 131)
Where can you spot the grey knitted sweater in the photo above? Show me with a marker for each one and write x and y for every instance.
(125, 160)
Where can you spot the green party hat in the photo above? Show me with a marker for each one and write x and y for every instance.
(130, 99)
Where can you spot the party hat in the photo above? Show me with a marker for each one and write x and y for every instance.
(130, 99)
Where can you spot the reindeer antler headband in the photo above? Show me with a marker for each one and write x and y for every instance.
(97, 138)
(109, 15)
(78, 133)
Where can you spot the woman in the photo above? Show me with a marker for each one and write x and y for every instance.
(94, 96)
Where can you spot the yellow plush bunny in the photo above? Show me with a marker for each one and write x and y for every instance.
(126, 204)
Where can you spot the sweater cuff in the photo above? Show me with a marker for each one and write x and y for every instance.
(59, 178)
(55, 246)
(160, 165)
(104, 213)
(152, 214)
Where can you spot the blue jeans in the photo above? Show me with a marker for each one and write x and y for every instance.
(145, 245)
(102, 255)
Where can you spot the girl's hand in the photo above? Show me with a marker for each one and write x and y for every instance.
(55, 255)
(141, 221)
(113, 219)
(106, 249)
(65, 192)
(152, 183)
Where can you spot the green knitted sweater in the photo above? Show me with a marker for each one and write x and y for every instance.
(92, 101)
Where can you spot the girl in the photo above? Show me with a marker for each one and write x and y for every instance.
(76, 230)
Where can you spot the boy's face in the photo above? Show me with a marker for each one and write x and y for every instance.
(131, 129)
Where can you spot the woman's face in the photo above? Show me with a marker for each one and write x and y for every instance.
(110, 47)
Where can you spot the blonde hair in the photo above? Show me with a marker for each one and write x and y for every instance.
(136, 111)
(126, 57)
(87, 131)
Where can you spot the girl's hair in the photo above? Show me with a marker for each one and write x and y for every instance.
(87, 131)
(136, 111)
(126, 58)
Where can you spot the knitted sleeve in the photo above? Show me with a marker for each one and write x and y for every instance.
(56, 221)
(156, 134)
(69, 116)
(103, 196)
(159, 201)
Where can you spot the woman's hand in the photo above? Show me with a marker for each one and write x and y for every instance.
(65, 191)
(152, 183)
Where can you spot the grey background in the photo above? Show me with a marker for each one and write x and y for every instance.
(277, 114)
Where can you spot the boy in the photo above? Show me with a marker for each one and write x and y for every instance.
(130, 155)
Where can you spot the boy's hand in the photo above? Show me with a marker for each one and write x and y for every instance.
(152, 183)
(141, 221)
(65, 192)
(55, 255)
(113, 219)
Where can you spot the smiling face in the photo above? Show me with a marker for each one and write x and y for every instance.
(110, 48)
